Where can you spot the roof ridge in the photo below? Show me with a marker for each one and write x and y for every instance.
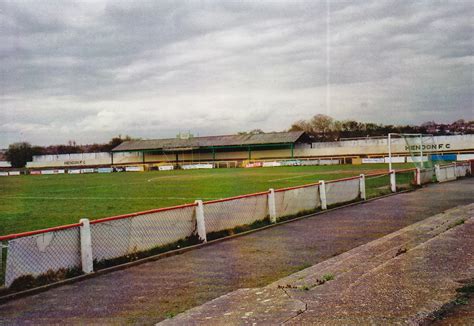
(213, 141)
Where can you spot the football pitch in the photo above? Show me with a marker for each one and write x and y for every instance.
(35, 202)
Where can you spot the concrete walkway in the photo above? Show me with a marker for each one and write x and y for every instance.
(402, 278)
(153, 291)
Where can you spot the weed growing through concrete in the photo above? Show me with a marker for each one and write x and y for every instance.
(456, 223)
(170, 314)
(328, 277)
(465, 294)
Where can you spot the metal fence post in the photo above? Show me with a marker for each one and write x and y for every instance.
(201, 224)
(322, 194)
(271, 206)
(362, 187)
(2, 268)
(437, 172)
(418, 176)
(393, 181)
(86, 246)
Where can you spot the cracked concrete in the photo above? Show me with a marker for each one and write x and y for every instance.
(403, 277)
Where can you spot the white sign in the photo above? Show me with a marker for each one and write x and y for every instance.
(104, 170)
(196, 166)
(87, 170)
(271, 164)
(14, 173)
(328, 162)
(395, 159)
(373, 160)
(3, 174)
(133, 169)
(165, 167)
(74, 171)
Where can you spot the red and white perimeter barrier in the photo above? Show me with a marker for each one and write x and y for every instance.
(82, 245)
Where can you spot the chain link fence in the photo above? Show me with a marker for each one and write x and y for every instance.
(427, 175)
(338, 192)
(226, 214)
(35, 258)
(377, 184)
(405, 179)
(462, 170)
(128, 234)
(43, 253)
(446, 172)
(3, 256)
(296, 200)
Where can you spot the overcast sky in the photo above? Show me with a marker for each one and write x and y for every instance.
(89, 70)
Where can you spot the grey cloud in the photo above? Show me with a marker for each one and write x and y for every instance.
(90, 70)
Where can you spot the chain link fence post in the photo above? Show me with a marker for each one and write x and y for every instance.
(418, 176)
(437, 172)
(393, 181)
(2, 266)
(271, 206)
(86, 246)
(362, 187)
(322, 194)
(200, 221)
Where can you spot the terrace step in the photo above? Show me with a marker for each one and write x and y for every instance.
(403, 277)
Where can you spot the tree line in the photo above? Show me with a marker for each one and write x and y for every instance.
(321, 127)
(325, 128)
(18, 154)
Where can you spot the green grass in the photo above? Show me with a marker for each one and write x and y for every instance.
(35, 202)
(328, 277)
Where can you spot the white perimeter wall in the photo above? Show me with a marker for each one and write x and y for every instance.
(380, 146)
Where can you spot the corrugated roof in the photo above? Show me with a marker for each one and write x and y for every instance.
(214, 141)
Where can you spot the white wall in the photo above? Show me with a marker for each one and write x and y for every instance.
(380, 146)
(5, 164)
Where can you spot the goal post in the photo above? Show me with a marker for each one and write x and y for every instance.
(420, 147)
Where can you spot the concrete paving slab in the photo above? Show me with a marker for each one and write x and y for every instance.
(376, 283)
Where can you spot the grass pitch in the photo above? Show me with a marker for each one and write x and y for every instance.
(35, 202)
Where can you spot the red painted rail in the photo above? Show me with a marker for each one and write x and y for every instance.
(377, 174)
(406, 170)
(297, 187)
(151, 211)
(118, 217)
(26, 234)
(236, 197)
(343, 179)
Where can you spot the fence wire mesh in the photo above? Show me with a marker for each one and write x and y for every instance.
(295, 201)
(446, 173)
(426, 175)
(3, 257)
(59, 250)
(462, 170)
(47, 252)
(405, 180)
(228, 214)
(377, 185)
(342, 191)
(126, 236)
